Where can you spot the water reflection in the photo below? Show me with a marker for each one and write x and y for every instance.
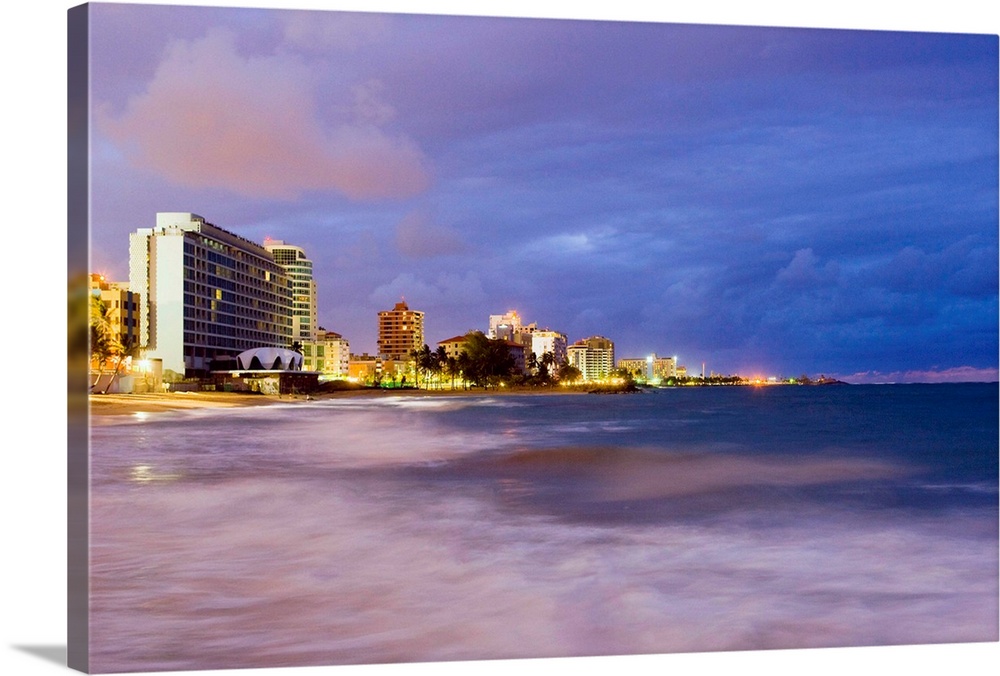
(145, 474)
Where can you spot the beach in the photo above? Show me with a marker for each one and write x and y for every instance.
(124, 404)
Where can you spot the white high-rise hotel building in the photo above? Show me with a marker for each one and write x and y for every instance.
(205, 293)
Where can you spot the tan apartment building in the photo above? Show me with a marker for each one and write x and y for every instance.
(400, 332)
(650, 368)
(122, 308)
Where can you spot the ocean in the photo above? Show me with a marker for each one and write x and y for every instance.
(391, 529)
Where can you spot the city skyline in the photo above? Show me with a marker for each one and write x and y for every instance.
(396, 341)
(219, 297)
(764, 199)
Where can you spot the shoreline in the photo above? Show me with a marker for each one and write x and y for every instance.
(125, 404)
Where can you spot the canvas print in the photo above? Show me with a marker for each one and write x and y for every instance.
(420, 338)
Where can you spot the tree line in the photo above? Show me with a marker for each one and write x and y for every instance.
(487, 362)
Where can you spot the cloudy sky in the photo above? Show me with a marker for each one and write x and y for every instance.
(763, 200)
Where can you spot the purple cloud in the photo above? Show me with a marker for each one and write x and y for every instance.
(418, 236)
(212, 118)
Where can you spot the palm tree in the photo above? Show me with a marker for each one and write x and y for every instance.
(464, 366)
(488, 360)
(543, 365)
(548, 359)
(129, 348)
(531, 362)
(440, 362)
(415, 359)
(428, 359)
(451, 363)
(423, 361)
(103, 342)
(568, 372)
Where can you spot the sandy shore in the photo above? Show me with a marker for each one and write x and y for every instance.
(120, 404)
(123, 404)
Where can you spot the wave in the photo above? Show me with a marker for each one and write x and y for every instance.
(367, 567)
(965, 487)
(594, 426)
(419, 403)
(612, 474)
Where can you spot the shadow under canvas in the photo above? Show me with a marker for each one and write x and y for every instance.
(50, 653)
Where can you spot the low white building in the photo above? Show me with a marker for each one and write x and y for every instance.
(330, 354)
(549, 341)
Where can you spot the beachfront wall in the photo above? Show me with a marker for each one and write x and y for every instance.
(108, 382)
(372, 370)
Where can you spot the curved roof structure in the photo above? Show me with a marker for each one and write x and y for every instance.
(270, 359)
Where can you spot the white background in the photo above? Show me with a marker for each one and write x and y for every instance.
(32, 331)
